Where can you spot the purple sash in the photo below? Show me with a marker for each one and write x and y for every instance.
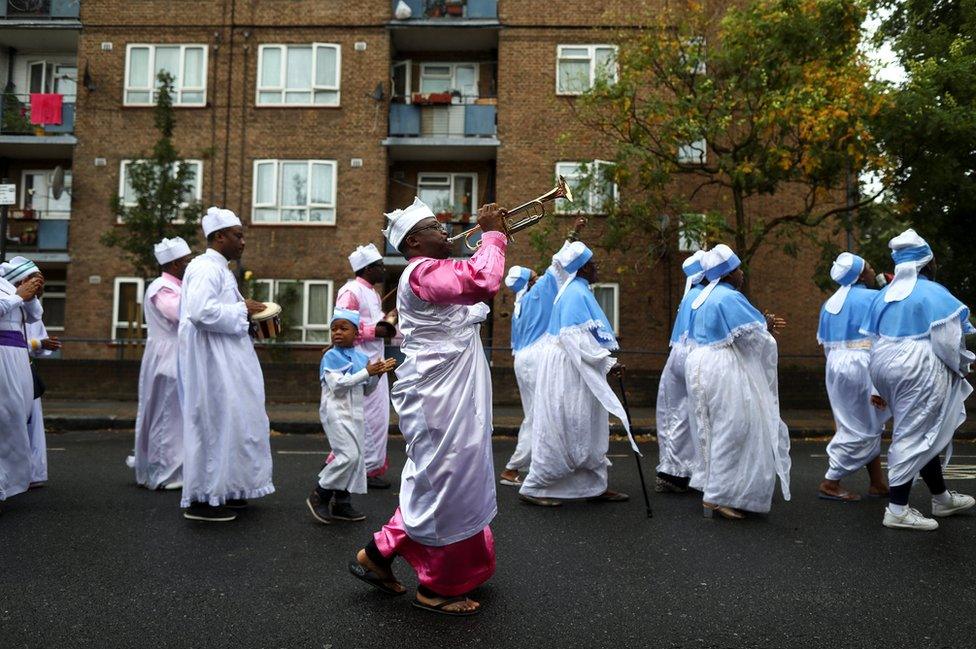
(12, 339)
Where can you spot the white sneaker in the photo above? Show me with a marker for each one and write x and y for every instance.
(912, 519)
(172, 486)
(958, 502)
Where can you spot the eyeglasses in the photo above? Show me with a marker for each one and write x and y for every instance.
(439, 226)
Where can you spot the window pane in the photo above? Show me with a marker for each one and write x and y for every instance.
(465, 75)
(289, 295)
(37, 77)
(53, 311)
(439, 199)
(192, 98)
(168, 58)
(428, 85)
(574, 51)
(318, 304)
(463, 199)
(437, 70)
(293, 97)
(606, 63)
(137, 97)
(264, 193)
(316, 335)
(262, 291)
(327, 97)
(299, 72)
(127, 300)
(321, 190)
(321, 216)
(427, 180)
(128, 193)
(574, 76)
(265, 215)
(193, 67)
(270, 67)
(293, 216)
(294, 183)
(139, 67)
(192, 180)
(325, 67)
(269, 97)
(605, 298)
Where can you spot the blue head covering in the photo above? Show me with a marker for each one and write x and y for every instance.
(345, 314)
(723, 315)
(578, 309)
(344, 360)
(530, 318)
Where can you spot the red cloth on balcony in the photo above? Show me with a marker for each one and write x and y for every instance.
(46, 108)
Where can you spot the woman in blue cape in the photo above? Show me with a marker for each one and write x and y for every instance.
(734, 396)
(918, 362)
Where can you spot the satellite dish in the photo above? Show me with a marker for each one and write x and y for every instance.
(57, 182)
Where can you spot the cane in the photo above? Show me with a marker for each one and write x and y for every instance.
(640, 469)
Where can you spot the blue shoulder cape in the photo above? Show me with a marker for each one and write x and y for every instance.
(577, 308)
(845, 327)
(724, 314)
(929, 304)
(684, 313)
(345, 360)
(536, 308)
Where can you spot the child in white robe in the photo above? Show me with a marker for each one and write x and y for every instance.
(346, 375)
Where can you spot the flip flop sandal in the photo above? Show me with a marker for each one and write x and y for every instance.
(371, 578)
(841, 499)
(439, 608)
(517, 482)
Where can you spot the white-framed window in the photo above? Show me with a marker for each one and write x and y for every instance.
(299, 75)
(127, 320)
(401, 80)
(306, 304)
(693, 153)
(187, 64)
(53, 304)
(447, 77)
(602, 191)
(689, 230)
(693, 54)
(49, 76)
(579, 66)
(453, 193)
(608, 297)
(294, 191)
(193, 194)
(36, 194)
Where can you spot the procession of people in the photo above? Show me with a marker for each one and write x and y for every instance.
(896, 354)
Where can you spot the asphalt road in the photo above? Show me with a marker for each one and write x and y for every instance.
(94, 561)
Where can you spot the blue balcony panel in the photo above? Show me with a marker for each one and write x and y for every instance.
(52, 234)
(404, 120)
(479, 121)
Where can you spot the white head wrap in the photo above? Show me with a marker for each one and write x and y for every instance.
(846, 270)
(169, 250)
(18, 269)
(400, 222)
(717, 263)
(518, 280)
(911, 254)
(363, 256)
(218, 218)
(571, 257)
(693, 270)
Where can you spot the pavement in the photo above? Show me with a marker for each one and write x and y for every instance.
(91, 560)
(303, 418)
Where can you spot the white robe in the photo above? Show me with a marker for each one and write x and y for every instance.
(342, 415)
(526, 366)
(921, 379)
(158, 456)
(17, 396)
(859, 424)
(443, 398)
(226, 434)
(734, 397)
(38, 442)
(376, 404)
(678, 452)
(571, 410)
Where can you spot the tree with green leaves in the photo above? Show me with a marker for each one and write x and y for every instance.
(751, 116)
(162, 188)
(929, 130)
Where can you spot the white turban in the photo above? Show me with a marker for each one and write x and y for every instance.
(717, 263)
(400, 222)
(169, 250)
(571, 257)
(217, 219)
(911, 254)
(845, 271)
(363, 256)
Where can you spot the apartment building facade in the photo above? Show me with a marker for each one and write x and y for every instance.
(310, 119)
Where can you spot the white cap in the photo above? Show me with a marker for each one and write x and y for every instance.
(17, 269)
(217, 218)
(363, 256)
(717, 263)
(911, 254)
(517, 278)
(846, 270)
(571, 257)
(693, 270)
(169, 250)
(400, 222)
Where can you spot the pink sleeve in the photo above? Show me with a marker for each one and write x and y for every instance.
(167, 301)
(452, 281)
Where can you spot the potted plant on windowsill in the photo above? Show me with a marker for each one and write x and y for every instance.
(29, 236)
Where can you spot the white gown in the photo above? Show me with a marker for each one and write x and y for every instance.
(376, 404)
(678, 452)
(159, 423)
(526, 363)
(341, 412)
(17, 396)
(226, 434)
(859, 424)
(37, 331)
(443, 398)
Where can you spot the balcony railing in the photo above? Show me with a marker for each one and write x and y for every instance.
(450, 9)
(460, 121)
(453, 227)
(39, 9)
(33, 235)
(15, 117)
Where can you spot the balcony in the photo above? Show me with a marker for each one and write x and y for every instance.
(449, 10)
(433, 132)
(37, 10)
(446, 25)
(43, 239)
(19, 138)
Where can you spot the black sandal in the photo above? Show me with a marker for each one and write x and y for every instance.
(439, 608)
(365, 574)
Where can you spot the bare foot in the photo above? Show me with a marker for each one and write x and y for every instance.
(384, 573)
(510, 475)
(878, 490)
(832, 489)
(465, 606)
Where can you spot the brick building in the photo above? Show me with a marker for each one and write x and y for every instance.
(310, 119)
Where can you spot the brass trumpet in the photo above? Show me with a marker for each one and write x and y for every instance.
(525, 215)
